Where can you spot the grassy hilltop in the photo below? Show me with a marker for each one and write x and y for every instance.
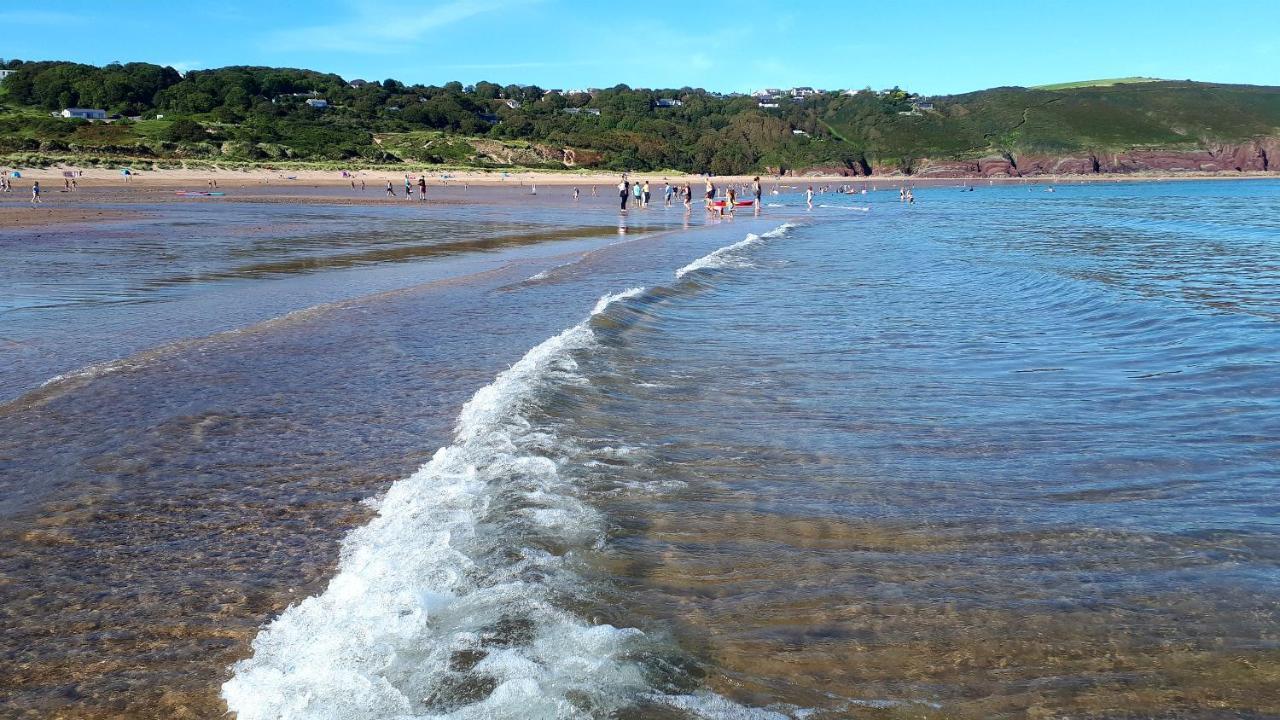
(256, 115)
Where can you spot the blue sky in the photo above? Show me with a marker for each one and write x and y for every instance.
(927, 46)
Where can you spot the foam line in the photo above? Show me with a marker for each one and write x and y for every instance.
(451, 584)
(724, 257)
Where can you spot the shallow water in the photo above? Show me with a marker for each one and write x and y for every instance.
(1002, 453)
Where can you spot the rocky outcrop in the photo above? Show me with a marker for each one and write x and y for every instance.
(997, 166)
(1254, 156)
(1032, 165)
(946, 169)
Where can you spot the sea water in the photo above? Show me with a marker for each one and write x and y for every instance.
(997, 453)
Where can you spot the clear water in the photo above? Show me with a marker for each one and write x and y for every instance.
(1002, 453)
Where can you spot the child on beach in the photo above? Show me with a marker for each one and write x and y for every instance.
(35, 193)
(391, 189)
(422, 187)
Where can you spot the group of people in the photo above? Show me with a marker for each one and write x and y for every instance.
(640, 192)
(6, 186)
(408, 187)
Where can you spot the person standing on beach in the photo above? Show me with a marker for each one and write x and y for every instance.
(408, 188)
(624, 191)
(575, 194)
(646, 193)
(422, 187)
(808, 197)
(35, 193)
(637, 193)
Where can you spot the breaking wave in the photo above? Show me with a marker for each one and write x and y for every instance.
(451, 602)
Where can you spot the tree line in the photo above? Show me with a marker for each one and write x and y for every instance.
(260, 108)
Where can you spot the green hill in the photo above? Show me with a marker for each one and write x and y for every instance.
(275, 115)
(1095, 83)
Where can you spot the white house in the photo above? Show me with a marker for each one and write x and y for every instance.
(764, 104)
(317, 103)
(85, 113)
(802, 92)
(6, 73)
(669, 102)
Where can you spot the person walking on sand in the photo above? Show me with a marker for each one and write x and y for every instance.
(35, 193)
(808, 197)
(422, 187)
(624, 191)
(391, 189)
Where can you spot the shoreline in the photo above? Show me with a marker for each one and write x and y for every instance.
(437, 176)
(101, 191)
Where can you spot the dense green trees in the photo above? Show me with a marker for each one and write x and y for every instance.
(252, 113)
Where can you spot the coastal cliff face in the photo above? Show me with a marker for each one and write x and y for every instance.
(1254, 156)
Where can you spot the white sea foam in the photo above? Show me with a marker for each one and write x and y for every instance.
(446, 605)
(727, 256)
(461, 561)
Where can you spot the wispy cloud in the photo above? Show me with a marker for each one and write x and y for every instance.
(379, 28)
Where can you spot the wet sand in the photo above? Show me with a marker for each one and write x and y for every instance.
(157, 512)
(101, 186)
